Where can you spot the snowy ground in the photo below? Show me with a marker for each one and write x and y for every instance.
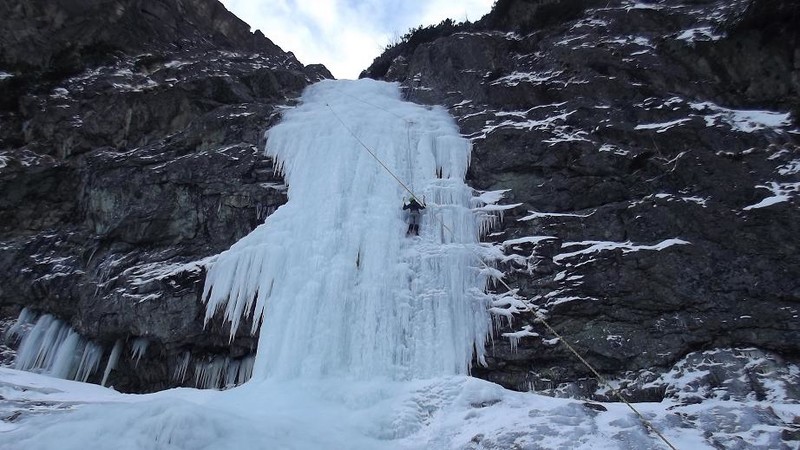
(457, 412)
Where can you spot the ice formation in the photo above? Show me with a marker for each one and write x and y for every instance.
(222, 372)
(52, 347)
(336, 286)
(112, 361)
(21, 327)
(138, 349)
(212, 372)
(179, 373)
(381, 326)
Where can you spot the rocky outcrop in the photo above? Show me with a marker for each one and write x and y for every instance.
(67, 34)
(653, 148)
(130, 149)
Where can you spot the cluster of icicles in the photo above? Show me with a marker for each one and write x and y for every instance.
(52, 347)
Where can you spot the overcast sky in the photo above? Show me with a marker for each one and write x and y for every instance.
(346, 35)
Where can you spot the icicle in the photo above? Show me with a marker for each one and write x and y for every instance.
(38, 346)
(21, 326)
(138, 349)
(245, 370)
(112, 361)
(230, 373)
(66, 352)
(179, 374)
(89, 362)
(222, 372)
(514, 337)
(207, 374)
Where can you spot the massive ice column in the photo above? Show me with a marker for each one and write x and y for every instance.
(337, 285)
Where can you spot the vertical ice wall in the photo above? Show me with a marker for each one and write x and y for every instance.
(338, 286)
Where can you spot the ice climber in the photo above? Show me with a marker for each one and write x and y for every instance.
(414, 209)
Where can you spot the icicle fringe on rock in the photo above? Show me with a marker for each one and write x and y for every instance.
(53, 348)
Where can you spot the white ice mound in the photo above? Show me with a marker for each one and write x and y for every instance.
(331, 278)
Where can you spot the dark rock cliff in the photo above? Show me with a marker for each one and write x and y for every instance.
(130, 147)
(653, 146)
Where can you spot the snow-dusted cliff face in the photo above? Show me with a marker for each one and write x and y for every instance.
(648, 155)
(652, 145)
(367, 333)
(654, 148)
(128, 154)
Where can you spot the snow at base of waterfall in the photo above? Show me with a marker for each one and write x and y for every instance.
(442, 413)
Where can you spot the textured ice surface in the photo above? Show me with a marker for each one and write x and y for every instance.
(339, 288)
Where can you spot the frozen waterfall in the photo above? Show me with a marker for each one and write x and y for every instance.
(366, 334)
(331, 278)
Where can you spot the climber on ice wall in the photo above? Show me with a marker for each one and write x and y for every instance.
(414, 208)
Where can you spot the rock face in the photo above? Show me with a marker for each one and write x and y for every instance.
(67, 34)
(130, 148)
(653, 149)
